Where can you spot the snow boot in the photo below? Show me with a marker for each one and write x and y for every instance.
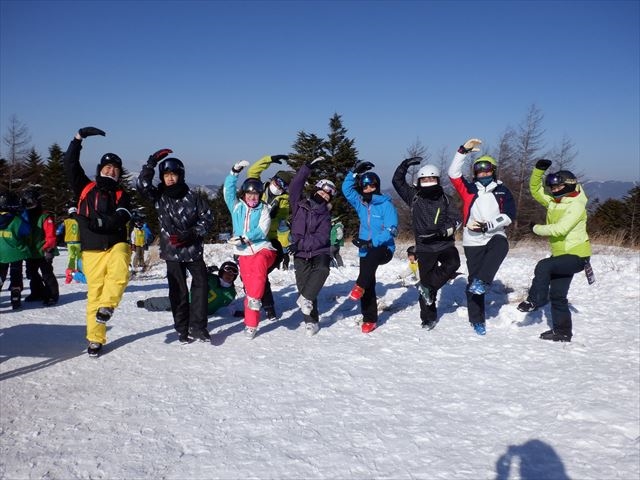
(103, 315)
(94, 349)
(356, 292)
(479, 328)
(477, 287)
(368, 327)
(526, 306)
(555, 336)
(15, 298)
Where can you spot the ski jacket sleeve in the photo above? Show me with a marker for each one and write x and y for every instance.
(296, 186)
(229, 190)
(399, 182)
(349, 190)
(49, 228)
(76, 177)
(560, 225)
(537, 188)
(144, 184)
(258, 167)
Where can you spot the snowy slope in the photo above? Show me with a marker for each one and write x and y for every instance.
(400, 403)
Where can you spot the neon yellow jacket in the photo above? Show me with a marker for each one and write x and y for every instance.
(282, 201)
(566, 224)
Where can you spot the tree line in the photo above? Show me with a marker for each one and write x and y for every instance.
(516, 151)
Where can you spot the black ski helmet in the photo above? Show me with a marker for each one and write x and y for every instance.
(411, 250)
(369, 178)
(253, 185)
(229, 267)
(173, 165)
(563, 177)
(109, 159)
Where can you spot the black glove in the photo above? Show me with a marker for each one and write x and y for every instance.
(274, 209)
(187, 237)
(100, 223)
(362, 166)
(531, 225)
(543, 164)
(279, 158)
(48, 255)
(156, 157)
(409, 162)
(365, 244)
(293, 248)
(85, 132)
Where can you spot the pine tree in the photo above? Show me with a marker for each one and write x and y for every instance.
(57, 195)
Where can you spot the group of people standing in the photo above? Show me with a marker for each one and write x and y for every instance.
(274, 219)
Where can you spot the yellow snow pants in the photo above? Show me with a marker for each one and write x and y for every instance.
(107, 275)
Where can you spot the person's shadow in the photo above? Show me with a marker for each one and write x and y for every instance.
(537, 460)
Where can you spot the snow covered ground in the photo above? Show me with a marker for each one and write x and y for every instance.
(399, 403)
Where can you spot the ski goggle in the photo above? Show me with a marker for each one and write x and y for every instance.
(329, 189)
(483, 167)
(553, 180)
(280, 183)
(368, 181)
(230, 268)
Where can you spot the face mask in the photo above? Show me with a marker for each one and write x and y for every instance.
(115, 179)
(485, 181)
(319, 198)
(253, 203)
(275, 190)
(224, 284)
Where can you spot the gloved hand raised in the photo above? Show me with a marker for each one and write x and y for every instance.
(156, 157)
(365, 244)
(409, 162)
(237, 167)
(362, 166)
(313, 163)
(278, 158)
(85, 132)
(471, 145)
(543, 164)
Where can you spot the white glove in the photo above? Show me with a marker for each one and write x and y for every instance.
(316, 160)
(471, 145)
(237, 167)
(237, 241)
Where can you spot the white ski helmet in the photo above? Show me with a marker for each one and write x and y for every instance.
(426, 171)
(328, 186)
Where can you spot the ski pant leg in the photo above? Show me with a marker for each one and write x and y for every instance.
(36, 285)
(15, 275)
(267, 296)
(551, 281)
(107, 274)
(367, 279)
(199, 296)
(49, 280)
(74, 253)
(178, 295)
(4, 268)
(311, 274)
(475, 303)
(253, 270)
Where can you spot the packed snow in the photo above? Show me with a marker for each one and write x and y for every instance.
(399, 403)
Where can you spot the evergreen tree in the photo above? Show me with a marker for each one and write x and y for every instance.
(221, 215)
(340, 156)
(57, 195)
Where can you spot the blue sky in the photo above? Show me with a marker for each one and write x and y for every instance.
(222, 81)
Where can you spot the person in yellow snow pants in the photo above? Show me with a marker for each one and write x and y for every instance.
(107, 277)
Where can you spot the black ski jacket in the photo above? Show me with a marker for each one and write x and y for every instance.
(104, 211)
(430, 216)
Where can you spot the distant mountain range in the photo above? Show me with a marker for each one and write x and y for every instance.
(600, 191)
(603, 191)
